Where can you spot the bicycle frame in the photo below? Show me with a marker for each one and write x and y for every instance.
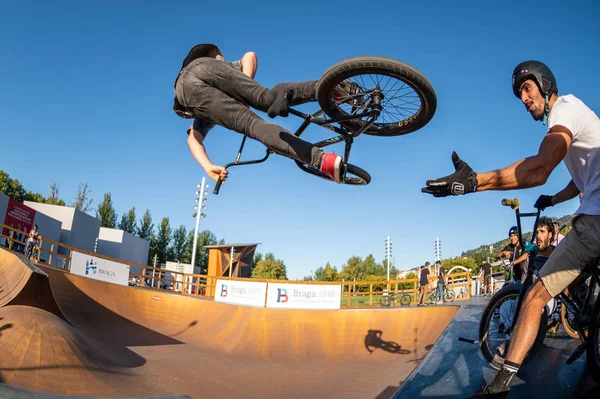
(343, 133)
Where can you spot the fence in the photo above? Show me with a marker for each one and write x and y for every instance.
(354, 293)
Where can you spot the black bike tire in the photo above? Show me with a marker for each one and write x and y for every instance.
(350, 169)
(484, 325)
(564, 319)
(449, 296)
(405, 300)
(379, 65)
(593, 350)
(386, 299)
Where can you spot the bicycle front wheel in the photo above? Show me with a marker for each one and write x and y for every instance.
(496, 319)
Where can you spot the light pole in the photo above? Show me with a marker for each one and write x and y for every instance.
(438, 252)
(388, 251)
(201, 193)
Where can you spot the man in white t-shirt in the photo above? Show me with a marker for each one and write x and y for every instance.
(573, 136)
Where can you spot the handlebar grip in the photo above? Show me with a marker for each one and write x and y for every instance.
(217, 187)
(513, 203)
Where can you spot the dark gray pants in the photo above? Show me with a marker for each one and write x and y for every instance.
(218, 93)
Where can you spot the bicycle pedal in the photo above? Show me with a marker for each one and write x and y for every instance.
(577, 354)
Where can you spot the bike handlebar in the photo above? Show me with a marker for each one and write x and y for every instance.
(217, 186)
(513, 203)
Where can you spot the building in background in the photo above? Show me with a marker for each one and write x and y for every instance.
(125, 246)
(16, 213)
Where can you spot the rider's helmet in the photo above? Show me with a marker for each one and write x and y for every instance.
(539, 72)
(201, 50)
(513, 230)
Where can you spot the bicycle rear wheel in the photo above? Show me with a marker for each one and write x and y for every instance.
(498, 317)
(449, 296)
(409, 100)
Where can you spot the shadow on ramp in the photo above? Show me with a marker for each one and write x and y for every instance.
(374, 341)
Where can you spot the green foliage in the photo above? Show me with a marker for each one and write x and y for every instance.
(146, 226)
(128, 222)
(179, 244)
(163, 238)
(106, 213)
(269, 268)
(34, 197)
(205, 237)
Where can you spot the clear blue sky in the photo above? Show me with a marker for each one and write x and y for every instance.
(86, 92)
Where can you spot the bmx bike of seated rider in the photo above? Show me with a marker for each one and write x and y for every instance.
(380, 96)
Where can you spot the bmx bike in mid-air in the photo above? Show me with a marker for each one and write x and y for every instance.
(380, 96)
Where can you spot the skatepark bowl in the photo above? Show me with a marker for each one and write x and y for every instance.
(64, 334)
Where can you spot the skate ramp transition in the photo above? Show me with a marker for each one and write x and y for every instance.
(82, 337)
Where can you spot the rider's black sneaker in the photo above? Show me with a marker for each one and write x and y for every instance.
(499, 387)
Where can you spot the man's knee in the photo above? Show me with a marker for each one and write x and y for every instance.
(538, 295)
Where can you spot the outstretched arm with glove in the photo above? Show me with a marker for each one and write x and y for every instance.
(529, 172)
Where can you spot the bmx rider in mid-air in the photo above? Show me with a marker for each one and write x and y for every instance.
(215, 92)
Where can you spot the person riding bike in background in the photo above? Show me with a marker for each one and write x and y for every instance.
(573, 136)
(215, 92)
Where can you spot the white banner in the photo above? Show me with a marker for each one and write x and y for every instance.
(241, 292)
(99, 269)
(304, 296)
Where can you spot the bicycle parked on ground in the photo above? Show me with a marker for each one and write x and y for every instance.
(448, 295)
(392, 297)
(497, 321)
(384, 97)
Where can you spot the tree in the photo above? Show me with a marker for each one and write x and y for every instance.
(106, 213)
(326, 273)
(82, 200)
(269, 269)
(11, 187)
(4, 180)
(128, 222)
(353, 269)
(54, 199)
(146, 226)
(205, 237)
(257, 258)
(179, 245)
(163, 240)
(34, 197)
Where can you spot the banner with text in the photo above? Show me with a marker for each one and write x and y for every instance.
(241, 292)
(20, 217)
(304, 296)
(99, 268)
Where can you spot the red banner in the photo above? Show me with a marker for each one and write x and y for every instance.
(20, 216)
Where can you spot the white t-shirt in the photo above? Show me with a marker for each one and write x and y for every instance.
(582, 159)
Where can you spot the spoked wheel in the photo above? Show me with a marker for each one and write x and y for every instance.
(568, 322)
(449, 296)
(497, 317)
(354, 175)
(385, 300)
(407, 99)
(405, 300)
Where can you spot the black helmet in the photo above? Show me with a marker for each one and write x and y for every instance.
(513, 230)
(539, 72)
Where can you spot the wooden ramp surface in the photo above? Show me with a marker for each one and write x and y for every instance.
(116, 341)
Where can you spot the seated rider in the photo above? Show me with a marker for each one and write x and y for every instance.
(215, 92)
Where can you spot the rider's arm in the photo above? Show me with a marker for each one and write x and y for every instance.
(521, 258)
(195, 142)
(249, 64)
(567, 193)
(532, 171)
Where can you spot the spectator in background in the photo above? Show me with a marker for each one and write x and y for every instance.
(441, 281)
(424, 282)
(32, 241)
(558, 237)
(485, 276)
